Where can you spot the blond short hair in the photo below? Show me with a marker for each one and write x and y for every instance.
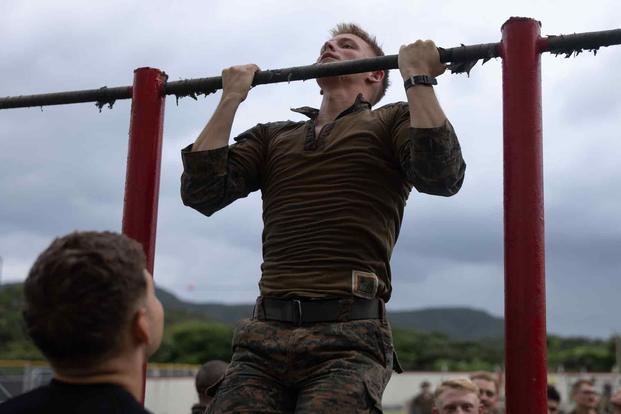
(354, 29)
(460, 384)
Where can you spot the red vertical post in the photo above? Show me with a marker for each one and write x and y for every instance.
(525, 313)
(142, 182)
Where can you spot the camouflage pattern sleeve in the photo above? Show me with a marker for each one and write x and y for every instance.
(213, 179)
(430, 158)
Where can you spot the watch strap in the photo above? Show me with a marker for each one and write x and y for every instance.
(419, 80)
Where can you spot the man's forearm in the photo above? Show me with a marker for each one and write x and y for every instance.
(217, 132)
(425, 110)
(422, 58)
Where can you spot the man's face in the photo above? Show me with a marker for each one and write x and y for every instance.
(553, 407)
(457, 402)
(344, 47)
(586, 396)
(487, 394)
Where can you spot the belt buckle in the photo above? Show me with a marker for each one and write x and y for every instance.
(298, 302)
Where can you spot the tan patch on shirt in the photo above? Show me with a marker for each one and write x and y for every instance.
(364, 284)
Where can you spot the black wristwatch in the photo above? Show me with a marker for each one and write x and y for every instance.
(419, 80)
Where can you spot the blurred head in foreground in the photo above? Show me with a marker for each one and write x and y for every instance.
(90, 307)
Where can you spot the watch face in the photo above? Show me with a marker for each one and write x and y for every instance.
(420, 80)
(424, 80)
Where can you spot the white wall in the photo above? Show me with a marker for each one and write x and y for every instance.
(170, 395)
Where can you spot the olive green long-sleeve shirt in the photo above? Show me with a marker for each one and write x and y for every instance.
(332, 203)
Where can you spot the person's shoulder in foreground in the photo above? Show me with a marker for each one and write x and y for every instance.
(91, 309)
(63, 397)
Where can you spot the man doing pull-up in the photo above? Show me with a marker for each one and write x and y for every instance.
(334, 189)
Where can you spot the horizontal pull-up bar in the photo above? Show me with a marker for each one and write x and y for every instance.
(461, 60)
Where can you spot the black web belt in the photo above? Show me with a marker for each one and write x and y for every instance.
(304, 311)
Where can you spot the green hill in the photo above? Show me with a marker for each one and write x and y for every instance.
(455, 323)
(459, 339)
(227, 314)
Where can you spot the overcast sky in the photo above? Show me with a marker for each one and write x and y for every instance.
(63, 168)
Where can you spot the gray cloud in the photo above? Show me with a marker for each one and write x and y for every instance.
(64, 168)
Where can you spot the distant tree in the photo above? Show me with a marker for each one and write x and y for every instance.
(194, 342)
(577, 354)
(436, 352)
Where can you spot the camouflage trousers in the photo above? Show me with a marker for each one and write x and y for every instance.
(336, 367)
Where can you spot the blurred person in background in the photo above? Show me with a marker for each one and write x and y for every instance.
(604, 400)
(585, 397)
(207, 376)
(423, 401)
(554, 400)
(457, 395)
(489, 391)
(615, 402)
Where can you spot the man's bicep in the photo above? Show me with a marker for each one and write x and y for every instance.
(213, 179)
(431, 159)
(247, 157)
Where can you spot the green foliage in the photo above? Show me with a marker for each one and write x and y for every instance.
(195, 342)
(20, 350)
(581, 354)
(436, 352)
(11, 324)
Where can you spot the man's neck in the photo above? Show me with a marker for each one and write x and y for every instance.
(334, 102)
(125, 371)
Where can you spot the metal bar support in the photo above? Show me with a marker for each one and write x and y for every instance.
(462, 58)
(142, 183)
(525, 312)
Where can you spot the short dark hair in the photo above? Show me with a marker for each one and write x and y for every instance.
(582, 381)
(486, 376)
(207, 376)
(354, 29)
(80, 293)
(553, 394)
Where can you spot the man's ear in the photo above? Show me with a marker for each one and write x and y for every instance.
(376, 76)
(140, 327)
